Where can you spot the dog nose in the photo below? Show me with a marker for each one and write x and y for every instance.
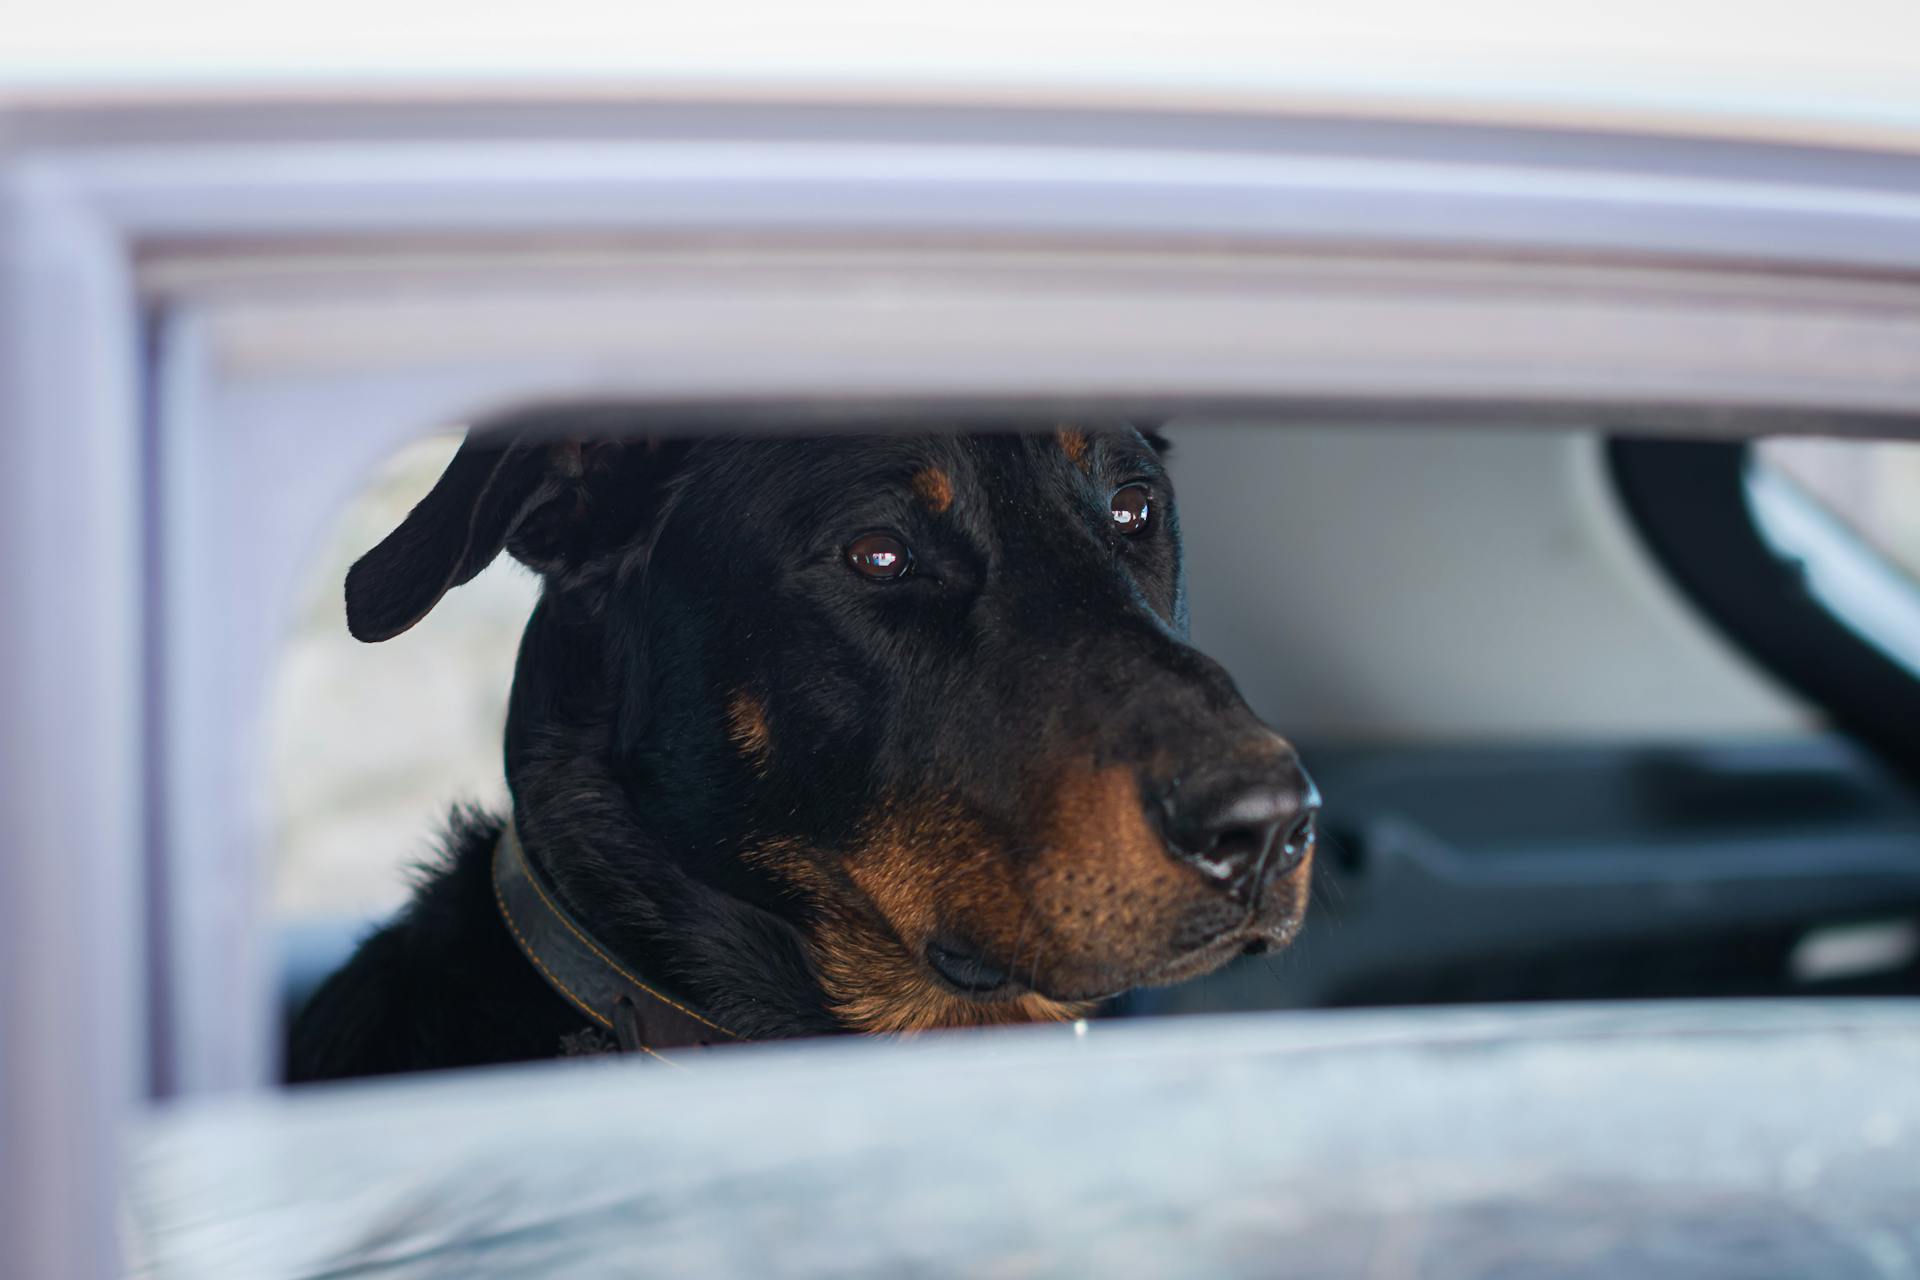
(1240, 829)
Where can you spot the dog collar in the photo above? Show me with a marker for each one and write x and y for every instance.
(640, 1017)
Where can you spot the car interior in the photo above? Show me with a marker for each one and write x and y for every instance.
(1558, 764)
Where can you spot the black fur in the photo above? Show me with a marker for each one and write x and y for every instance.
(681, 578)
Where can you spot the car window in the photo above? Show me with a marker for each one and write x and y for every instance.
(1871, 487)
(1848, 512)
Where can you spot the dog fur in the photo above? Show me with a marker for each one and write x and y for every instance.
(812, 800)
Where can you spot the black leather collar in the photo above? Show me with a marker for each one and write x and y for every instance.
(641, 1017)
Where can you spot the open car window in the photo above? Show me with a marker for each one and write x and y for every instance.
(1473, 335)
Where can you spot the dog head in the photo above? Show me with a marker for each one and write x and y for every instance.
(924, 702)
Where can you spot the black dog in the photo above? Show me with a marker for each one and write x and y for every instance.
(849, 733)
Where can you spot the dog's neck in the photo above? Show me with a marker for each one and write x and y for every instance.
(600, 833)
(744, 967)
(639, 1015)
(736, 965)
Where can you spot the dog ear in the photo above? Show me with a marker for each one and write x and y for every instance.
(454, 533)
(534, 498)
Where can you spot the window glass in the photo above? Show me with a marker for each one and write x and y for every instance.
(1848, 514)
(1872, 487)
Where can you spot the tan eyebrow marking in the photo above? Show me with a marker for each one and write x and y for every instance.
(1073, 443)
(747, 726)
(933, 487)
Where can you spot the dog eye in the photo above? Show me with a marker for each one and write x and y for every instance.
(880, 556)
(1132, 507)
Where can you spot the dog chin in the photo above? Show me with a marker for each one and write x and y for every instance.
(1197, 963)
(968, 974)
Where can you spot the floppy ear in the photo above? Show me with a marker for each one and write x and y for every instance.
(554, 503)
(488, 489)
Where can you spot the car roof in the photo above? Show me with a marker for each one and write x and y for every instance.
(1846, 74)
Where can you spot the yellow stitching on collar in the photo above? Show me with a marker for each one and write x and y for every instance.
(506, 913)
(662, 1058)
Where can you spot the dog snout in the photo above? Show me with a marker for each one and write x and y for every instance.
(1241, 828)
